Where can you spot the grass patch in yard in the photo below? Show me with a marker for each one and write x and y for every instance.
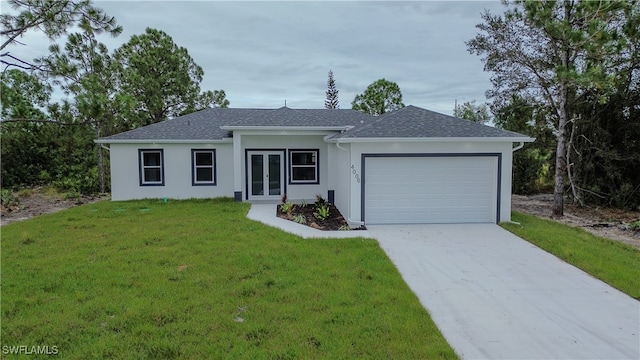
(197, 279)
(613, 262)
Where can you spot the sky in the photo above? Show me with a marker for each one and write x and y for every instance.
(263, 53)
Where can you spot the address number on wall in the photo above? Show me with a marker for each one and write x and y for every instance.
(355, 173)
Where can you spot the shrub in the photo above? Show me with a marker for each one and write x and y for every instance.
(320, 201)
(300, 219)
(286, 207)
(322, 212)
(7, 198)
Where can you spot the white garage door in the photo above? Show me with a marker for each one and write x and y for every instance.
(451, 189)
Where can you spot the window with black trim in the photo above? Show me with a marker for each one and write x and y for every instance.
(203, 167)
(303, 167)
(151, 166)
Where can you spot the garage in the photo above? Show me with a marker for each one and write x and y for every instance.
(430, 188)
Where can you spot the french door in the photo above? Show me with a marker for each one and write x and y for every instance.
(265, 174)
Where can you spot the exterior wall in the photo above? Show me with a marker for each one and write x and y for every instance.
(340, 170)
(339, 175)
(295, 192)
(125, 172)
(357, 149)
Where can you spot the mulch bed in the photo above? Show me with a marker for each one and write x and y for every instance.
(335, 221)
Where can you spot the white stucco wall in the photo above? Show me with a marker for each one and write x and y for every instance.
(295, 192)
(339, 176)
(125, 173)
(357, 149)
(339, 170)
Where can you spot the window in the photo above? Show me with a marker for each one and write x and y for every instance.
(304, 166)
(151, 167)
(203, 167)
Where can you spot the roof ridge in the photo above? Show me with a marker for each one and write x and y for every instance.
(377, 119)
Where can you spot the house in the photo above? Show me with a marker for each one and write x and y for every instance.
(408, 166)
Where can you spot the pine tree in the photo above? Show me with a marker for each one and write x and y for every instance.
(332, 93)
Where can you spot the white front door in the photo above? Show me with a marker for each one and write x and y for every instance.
(265, 174)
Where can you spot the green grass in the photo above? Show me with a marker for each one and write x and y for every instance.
(613, 262)
(195, 280)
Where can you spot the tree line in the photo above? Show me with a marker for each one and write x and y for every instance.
(146, 80)
(568, 73)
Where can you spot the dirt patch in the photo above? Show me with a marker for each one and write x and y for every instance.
(34, 202)
(605, 222)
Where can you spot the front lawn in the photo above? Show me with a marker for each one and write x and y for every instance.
(613, 262)
(196, 280)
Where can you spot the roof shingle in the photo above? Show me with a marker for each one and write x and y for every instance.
(408, 122)
(415, 122)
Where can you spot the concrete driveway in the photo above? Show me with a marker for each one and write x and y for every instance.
(496, 296)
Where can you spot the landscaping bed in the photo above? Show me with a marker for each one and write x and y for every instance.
(320, 215)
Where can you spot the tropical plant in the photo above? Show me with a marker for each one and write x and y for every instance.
(300, 219)
(322, 212)
(320, 201)
(287, 207)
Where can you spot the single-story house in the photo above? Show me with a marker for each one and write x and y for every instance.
(408, 166)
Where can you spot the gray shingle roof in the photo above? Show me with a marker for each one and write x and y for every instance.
(415, 122)
(205, 124)
(285, 116)
(201, 125)
(408, 122)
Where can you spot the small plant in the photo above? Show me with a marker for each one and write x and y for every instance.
(320, 201)
(300, 219)
(283, 199)
(303, 203)
(287, 207)
(635, 226)
(322, 212)
(7, 198)
(25, 193)
(344, 228)
(72, 195)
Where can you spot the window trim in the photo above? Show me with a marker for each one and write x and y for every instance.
(194, 167)
(291, 166)
(142, 167)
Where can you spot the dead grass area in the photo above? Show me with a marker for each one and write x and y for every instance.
(39, 201)
(605, 222)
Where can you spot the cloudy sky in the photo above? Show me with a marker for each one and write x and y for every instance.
(262, 53)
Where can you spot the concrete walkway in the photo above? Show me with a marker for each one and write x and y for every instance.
(266, 214)
(496, 296)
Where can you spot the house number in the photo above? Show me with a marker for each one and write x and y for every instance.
(355, 173)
